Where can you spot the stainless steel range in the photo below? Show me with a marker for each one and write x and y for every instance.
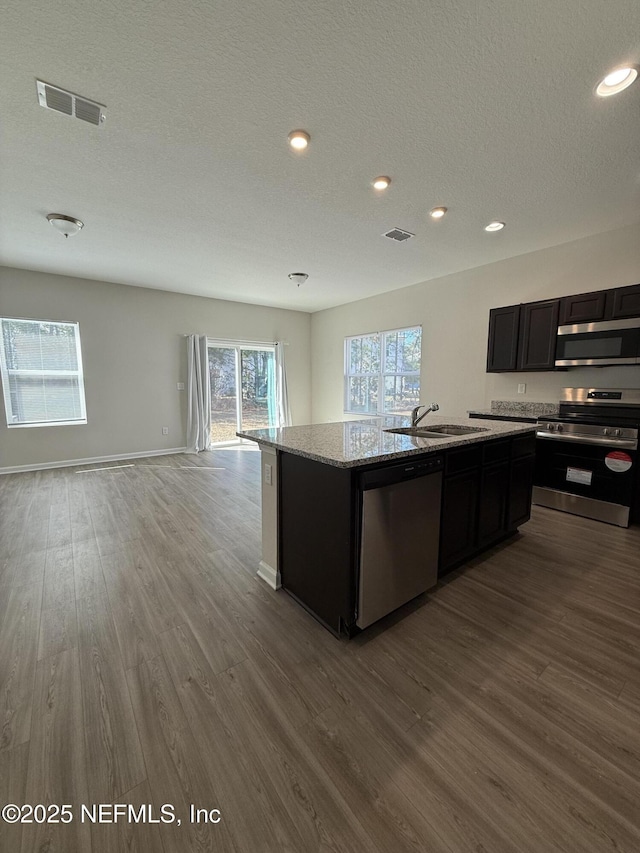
(587, 455)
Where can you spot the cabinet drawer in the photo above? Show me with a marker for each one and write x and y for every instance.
(496, 451)
(524, 445)
(463, 459)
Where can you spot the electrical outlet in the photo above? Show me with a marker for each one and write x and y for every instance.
(180, 386)
(165, 430)
(267, 474)
(522, 388)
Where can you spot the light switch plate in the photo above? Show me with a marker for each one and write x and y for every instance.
(165, 430)
(180, 386)
(522, 388)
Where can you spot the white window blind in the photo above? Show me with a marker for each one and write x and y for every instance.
(41, 365)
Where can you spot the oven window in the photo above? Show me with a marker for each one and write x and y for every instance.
(592, 347)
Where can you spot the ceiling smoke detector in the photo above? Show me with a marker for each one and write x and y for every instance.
(398, 235)
(67, 225)
(54, 98)
(298, 277)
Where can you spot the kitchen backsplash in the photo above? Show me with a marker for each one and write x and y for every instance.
(531, 409)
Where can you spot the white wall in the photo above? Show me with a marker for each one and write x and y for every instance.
(134, 353)
(454, 313)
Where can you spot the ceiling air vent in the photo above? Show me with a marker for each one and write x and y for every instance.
(398, 235)
(53, 98)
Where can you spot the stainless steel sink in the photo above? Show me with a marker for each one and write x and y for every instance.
(444, 431)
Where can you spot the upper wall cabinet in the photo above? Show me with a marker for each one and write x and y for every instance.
(583, 308)
(618, 304)
(523, 337)
(504, 328)
(538, 335)
(626, 302)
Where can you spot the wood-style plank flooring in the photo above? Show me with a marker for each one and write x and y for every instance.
(142, 662)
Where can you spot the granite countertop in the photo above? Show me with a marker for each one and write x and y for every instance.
(348, 444)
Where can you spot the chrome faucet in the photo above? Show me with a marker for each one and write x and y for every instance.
(416, 418)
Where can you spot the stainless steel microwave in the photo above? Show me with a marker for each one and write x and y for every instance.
(599, 344)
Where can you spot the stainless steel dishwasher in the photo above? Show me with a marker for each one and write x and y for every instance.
(400, 533)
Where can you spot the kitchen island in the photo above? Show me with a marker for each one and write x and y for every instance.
(316, 481)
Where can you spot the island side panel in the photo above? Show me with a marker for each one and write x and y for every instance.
(317, 538)
(268, 569)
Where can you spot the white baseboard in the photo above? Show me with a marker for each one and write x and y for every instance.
(69, 463)
(269, 575)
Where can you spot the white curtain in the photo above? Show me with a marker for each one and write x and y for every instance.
(283, 412)
(199, 398)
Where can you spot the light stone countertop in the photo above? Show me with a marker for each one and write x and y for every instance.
(348, 444)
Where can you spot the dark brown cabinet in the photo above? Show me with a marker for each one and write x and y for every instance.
(583, 308)
(459, 518)
(318, 538)
(520, 485)
(626, 302)
(504, 328)
(485, 496)
(494, 491)
(521, 480)
(538, 334)
(523, 337)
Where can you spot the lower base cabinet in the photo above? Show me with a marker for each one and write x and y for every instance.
(492, 509)
(459, 512)
(486, 495)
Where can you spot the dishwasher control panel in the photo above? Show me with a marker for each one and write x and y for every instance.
(396, 473)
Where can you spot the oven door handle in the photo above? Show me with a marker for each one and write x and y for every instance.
(605, 441)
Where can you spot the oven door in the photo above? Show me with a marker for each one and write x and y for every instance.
(594, 480)
(599, 344)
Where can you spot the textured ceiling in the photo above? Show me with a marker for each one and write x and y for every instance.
(485, 106)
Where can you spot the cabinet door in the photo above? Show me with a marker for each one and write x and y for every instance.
(538, 332)
(492, 511)
(502, 349)
(626, 302)
(459, 514)
(583, 308)
(520, 485)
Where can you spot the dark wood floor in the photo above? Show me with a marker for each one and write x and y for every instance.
(141, 661)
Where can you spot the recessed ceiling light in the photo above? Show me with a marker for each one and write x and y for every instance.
(437, 212)
(67, 225)
(299, 139)
(494, 226)
(616, 81)
(381, 183)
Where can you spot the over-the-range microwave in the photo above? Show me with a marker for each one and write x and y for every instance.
(599, 344)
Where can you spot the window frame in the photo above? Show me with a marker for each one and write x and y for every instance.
(5, 372)
(381, 375)
(238, 346)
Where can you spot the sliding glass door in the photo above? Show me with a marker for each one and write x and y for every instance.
(242, 381)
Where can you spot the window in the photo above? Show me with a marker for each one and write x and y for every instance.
(41, 366)
(382, 371)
